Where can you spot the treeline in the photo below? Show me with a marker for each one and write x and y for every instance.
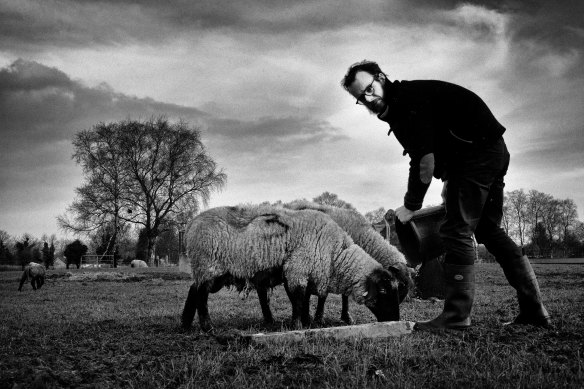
(544, 226)
(27, 249)
(54, 252)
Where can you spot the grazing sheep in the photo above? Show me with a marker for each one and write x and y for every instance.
(138, 263)
(366, 237)
(306, 250)
(35, 272)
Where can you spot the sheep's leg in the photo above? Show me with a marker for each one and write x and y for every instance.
(306, 309)
(297, 298)
(33, 283)
(265, 304)
(345, 315)
(204, 318)
(190, 307)
(319, 314)
(22, 281)
(40, 282)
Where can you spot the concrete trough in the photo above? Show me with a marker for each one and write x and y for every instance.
(363, 331)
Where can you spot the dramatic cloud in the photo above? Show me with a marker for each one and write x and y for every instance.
(42, 108)
(261, 80)
(50, 23)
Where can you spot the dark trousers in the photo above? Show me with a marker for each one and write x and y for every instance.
(474, 204)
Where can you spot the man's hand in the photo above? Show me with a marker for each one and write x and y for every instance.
(403, 214)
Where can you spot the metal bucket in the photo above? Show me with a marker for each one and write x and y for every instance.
(419, 238)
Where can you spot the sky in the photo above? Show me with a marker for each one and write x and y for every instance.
(261, 80)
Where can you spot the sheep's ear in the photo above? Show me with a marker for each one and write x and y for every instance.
(371, 293)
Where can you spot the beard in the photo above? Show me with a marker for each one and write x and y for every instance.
(377, 106)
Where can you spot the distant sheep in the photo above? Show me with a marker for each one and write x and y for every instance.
(138, 263)
(35, 272)
(366, 237)
(306, 250)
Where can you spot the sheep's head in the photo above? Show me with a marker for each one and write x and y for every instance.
(382, 295)
(404, 276)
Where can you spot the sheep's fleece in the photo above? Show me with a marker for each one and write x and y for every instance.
(243, 241)
(35, 272)
(138, 263)
(233, 245)
(364, 235)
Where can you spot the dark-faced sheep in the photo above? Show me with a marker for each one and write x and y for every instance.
(306, 250)
(366, 237)
(35, 272)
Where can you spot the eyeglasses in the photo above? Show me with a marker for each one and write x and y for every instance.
(366, 92)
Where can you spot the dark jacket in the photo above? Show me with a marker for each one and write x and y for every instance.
(434, 121)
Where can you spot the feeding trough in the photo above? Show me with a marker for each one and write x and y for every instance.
(360, 331)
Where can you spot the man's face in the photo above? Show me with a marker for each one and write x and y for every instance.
(368, 90)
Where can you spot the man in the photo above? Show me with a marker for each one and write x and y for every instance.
(450, 133)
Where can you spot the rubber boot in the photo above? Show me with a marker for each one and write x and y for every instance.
(521, 276)
(460, 290)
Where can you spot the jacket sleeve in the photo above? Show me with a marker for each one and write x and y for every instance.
(422, 163)
(419, 179)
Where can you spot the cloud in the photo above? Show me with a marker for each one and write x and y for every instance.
(50, 23)
(42, 104)
(261, 79)
(283, 135)
(42, 108)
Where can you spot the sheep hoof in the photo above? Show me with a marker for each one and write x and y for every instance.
(210, 330)
(296, 325)
(347, 319)
(207, 327)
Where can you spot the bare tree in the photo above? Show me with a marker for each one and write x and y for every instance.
(375, 215)
(153, 173)
(567, 217)
(5, 238)
(536, 202)
(518, 211)
(550, 218)
(579, 231)
(170, 174)
(100, 199)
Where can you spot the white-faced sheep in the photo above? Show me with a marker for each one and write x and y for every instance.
(306, 250)
(35, 272)
(366, 237)
(138, 263)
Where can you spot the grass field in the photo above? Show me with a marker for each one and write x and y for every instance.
(120, 328)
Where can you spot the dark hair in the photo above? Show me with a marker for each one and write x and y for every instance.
(366, 66)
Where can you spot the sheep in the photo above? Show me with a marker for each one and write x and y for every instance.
(36, 273)
(364, 235)
(138, 263)
(306, 250)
